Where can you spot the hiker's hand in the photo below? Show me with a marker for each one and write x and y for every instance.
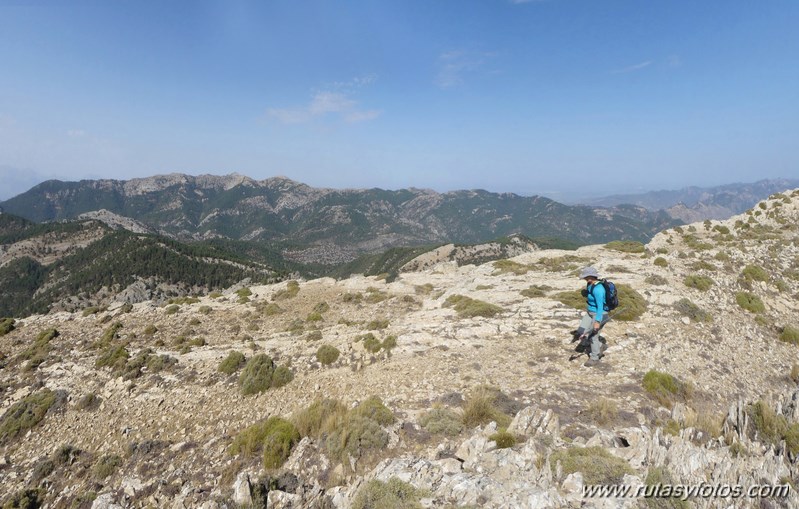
(596, 325)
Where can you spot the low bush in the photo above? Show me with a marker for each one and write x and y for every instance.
(467, 307)
(754, 273)
(6, 325)
(371, 343)
(571, 298)
(393, 494)
(374, 409)
(356, 437)
(773, 427)
(660, 262)
(206, 310)
(273, 438)
(750, 302)
(626, 246)
(172, 309)
(314, 335)
(327, 354)
(106, 466)
(25, 414)
(232, 363)
(665, 388)
(291, 291)
(535, 291)
(424, 289)
(503, 439)
(603, 411)
(596, 464)
(389, 342)
(183, 300)
(481, 408)
(378, 324)
(703, 265)
(687, 308)
(353, 297)
(701, 283)
(656, 280)
(442, 421)
(509, 266)
(89, 402)
(272, 309)
(321, 307)
(282, 376)
(257, 375)
(114, 357)
(26, 499)
(320, 418)
(110, 334)
(314, 317)
(790, 335)
(150, 330)
(631, 304)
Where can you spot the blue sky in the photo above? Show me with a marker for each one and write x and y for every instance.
(566, 98)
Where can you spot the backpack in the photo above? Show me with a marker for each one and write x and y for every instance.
(611, 295)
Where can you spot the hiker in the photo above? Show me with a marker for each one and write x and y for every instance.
(594, 319)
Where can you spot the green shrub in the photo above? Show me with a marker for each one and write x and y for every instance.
(6, 325)
(722, 257)
(389, 343)
(379, 324)
(320, 418)
(106, 466)
(232, 363)
(481, 408)
(467, 307)
(88, 402)
(327, 354)
(26, 499)
(115, 357)
(754, 273)
(172, 309)
(111, 333)
(322, 307)
(374, 409)
(314, 335)
(371, 343)
(373, 295)
(661, 250)
(656, 280)
(562, 263)
(206, 310)
(272, 309)
(282, 376)
(660, 262)
(25, 414)
(314, 317)
(687, 308)
(353, 297)
(92, 310)
(150, 330)
(506, 266)
(291, 291)
(631, 304)
(257, 375)
(273, 438)
(535, 291)
(215, 294)
(441, 421)
(722, 229)
(394, 494)
(424, 289)
(750, 302)
(772, 427)
(665, 388)
(603, 411)
(244, 292)
(626, 246)
(701, 283)
(790, 335)
(703, 265)
(596, 464)
(571, 298)
(357, 437)
(503, 439)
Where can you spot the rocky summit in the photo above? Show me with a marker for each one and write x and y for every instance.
(450, 386)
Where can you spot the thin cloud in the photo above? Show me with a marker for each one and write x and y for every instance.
(325, 104)
(76, 133)
(455, 65)
(633, 68)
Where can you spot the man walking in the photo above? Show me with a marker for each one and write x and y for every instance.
(594, 319)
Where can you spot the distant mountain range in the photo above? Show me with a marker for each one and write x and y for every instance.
(328, 226)
(691, 204)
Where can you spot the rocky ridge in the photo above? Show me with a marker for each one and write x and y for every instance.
(171, 430)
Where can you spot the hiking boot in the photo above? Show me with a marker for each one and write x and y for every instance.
(602, 348)
(590, 363)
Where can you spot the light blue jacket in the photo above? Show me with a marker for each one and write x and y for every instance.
(596, 294)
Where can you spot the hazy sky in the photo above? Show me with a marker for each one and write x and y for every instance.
(534, 97)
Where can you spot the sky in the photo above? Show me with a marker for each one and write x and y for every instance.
(564, 98)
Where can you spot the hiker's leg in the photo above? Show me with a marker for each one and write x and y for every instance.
(596, 347)
(586, 322)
